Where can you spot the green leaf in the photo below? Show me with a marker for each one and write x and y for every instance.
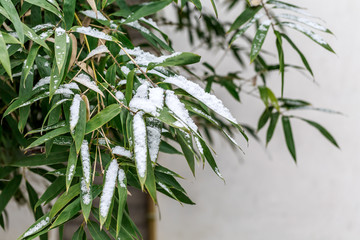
(79, 131)
(96, 232)
(4, 56)
(30, 60)
(289, 136)
(302, 56)
(259, 40)
(150, 180)
(167, 148)
(33, 36)
(264, 118)
(39, 160)
(14, 18)
(9, 39)
(49, 136)
(323, 131)
(272, 126)
(214, 7)
(52, 191)
(313, 36)
(86, 199)
(68, 213)
(32, 230)
(181, 59)
(245, 16)
(186, 147)
(64, 199)
(46, 5)
(61, 40)
(129, 85)
(102, 118)
(69, 12)
(122, 195)
(80, 233)
(281, 60)
(210, 159)
(147, 9)
(8, 191)
(71, 167)
(33, 198)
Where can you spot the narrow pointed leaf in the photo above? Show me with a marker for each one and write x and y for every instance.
(14, 18)
(71, 167)
(4, 56)
(147, 9)
(323, 131)
(8, 191)
(259, 39)
(289, 136)
(245, 16)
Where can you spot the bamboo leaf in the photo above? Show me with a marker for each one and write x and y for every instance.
(33, 36)
(51, 192)
(181, 59)
(313, 36)
(122, 195)
(96, 231)
(289, 136)
(71, 167)
(245, 16)
(61, 40)
(259, 39)
(281, 60)
(4, 56)
(147, 9)
(14, 18)
(272, 126)
(129, 85)
(302, 56)
(80, 233)
(102, 118)
(79, 131)
(30, 60)
(64, 199)
(49, 136)
(323, 131)
(33, 198)
(46, 5)
(8, 191)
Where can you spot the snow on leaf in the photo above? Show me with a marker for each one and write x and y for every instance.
(85, 191)
(71, 172)
(140, 147)
(100, 49)
(305, 21)
(153, 138)
(85, 162)
(147, 100)
(93, 32)
(95, 15)
(109, 188)
(86, 81)
(75, 111)
(121, 151)
(198, 92)
(37, 227)
(119, 95)
(144, 58)
(178, 108)
(121, 178)
(42, 82)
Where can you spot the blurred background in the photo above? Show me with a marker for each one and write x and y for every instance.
(267, 195)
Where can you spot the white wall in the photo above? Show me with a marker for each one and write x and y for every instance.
(267, 196)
